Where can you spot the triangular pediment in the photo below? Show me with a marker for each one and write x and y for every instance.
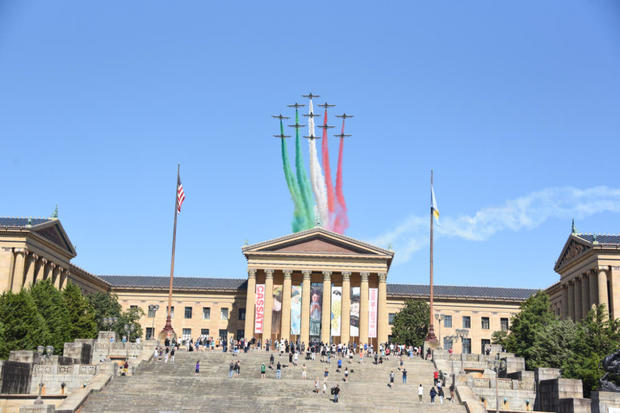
(573, 248)
(317, 241)
(53, 232)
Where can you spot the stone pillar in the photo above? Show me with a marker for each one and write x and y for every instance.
(614, 280)
(571, 300)
(577, 298)
(565, 313)
(585, 295)
(364, 309)
(41, 271)
(602, 288)
(56, 277)
(64, 275)
(345, 326)
(250, 304)
(592, 287)
(29, 280)
(286, 305)
(305, 307)
(326, 307)
(382, 315)
(268, 304)
(15, 284)
(49, 271)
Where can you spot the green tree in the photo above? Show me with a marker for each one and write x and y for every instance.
(553, 345)
(81, 313)
(106, 305)
(24, 327)
(410, 324)
(51, 305)
(499, 337)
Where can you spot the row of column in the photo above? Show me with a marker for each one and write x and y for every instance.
(29, 267)
(304, 336)
(590, 288)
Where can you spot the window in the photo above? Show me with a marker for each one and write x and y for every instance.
(239, 334)
(447, 343)
(187, 333)
(485, 345)
(504, 324)
(149, 333)
(242, 314)
(206, 313)
(172, 312)
(152, 311)
(485, 323)
(133, 307)
(188, 312)
(224, 314)
(447, 321)
(224, 334)
(391, 318)
(466, 321)
(204, 331)
(467, 346)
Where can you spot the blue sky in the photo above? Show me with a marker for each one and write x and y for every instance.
(515, 106)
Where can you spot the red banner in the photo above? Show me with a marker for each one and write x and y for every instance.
(260, 308)
(372, 312)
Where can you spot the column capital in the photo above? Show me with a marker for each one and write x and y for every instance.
(251, 272)
(346, 276)
(327, 275)
(287, 274)
(382, 277)
(603, 268)
(269, 273)
(20, 251)
(306, 274)
(364, 276)
(44, 261)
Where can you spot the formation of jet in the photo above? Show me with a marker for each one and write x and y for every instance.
(310, 96)
(325, 105)
(280, 117)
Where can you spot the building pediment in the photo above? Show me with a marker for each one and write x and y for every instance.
(53, 232)
(573, 248)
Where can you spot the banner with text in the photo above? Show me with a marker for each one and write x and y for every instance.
(260, 308)
(355, 312)
(316, 298)
(296, 310)
(373, 293)
(336, 310)
(276, 313)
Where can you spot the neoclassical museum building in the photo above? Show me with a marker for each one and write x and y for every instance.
(311, 285)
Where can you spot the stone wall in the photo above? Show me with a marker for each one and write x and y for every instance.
(15, 377)
(551, 393)
(603, 400)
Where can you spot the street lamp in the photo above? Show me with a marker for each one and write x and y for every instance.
(462, 333)
(45, 353)
(154, 308)
(439, 317)
(497, 366)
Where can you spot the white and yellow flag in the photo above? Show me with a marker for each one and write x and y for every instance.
(434, 209)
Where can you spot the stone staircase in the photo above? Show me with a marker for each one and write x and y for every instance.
(160, 387)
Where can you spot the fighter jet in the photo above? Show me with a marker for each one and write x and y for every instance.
(297, 126)
(296, 105)
(326, 105)
(310, 96)
(312, 137)
(344, 116)
(279, 116)
(281, 136)
(311, 115)
(342, 135)
(324, 126)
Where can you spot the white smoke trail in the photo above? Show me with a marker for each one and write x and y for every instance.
(316, 173)
(527, 212)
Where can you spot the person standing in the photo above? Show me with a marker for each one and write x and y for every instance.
(303, 371)
(346, 374)
(197, 370)
(336, 393)
(433, 393)
(452, 393)
(231, 367)
(278, 371)
(262, 371)
(316, 385)
(435, 377)
(404, 376)
(172, 355)
(440, 394)
(420, 392)
(271, 360)
(391, 379)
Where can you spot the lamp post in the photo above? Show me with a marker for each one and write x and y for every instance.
(154, 308)
(462, 333)
(129, 329)
(497, 365)
(45, 353)
(109, 321)
(439, 317)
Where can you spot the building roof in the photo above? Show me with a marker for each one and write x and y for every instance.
(132, 281)
(22, 222)
(600, 238)
(460, 291)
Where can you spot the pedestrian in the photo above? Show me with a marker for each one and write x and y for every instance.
(295, 359)
(231, 367)
(339, 365)
(167, 355)
(172, 355)
(435, 377)
(279, 371)
(441, 395)
(303, 371)
(197, 367)
(271, 360)
(452, 393)
(346, 374)
(316, 385)
(324, 387)
(325, 374)
(420, 392)
(262, 371)
(433, 393)
(404, 376)
(391, 379)
(336, 391)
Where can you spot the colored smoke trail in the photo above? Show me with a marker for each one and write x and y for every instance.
(316, 173)
(302, 179)
(299, 218)
(342, 220)
(328, 176)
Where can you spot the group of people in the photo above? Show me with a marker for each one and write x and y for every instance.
(437, 390)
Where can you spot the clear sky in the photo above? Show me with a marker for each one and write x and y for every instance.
(515, 106)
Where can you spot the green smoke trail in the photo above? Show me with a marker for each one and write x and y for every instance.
(299, 217)
(302, 179)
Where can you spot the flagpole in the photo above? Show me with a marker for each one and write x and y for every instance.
(168, 331)
(431, 330)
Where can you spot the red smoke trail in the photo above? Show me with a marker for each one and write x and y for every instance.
(328, 176)
(342, 221)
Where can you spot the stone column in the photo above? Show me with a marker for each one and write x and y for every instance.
(305, 307)
(602, 288)
(268, 304)
(592, 287)
(585, 295)
(614, 280)
(286, 305)
(56, 277)
(250, 304)
(326, 307)
(345, 326)
(382, 315)
(64, 275)
(29, 280)
(571, 300)
(565, 313)
(577, 298)
(15, 284)
(364, 309)
(41, 271)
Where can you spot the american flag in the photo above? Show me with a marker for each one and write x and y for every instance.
(180, 195)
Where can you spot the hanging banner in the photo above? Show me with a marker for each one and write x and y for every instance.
(260, 308)
(355, 312)
(373, 293)
(296, 310)
(336, 310)
(276, 313)
(316, 298)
